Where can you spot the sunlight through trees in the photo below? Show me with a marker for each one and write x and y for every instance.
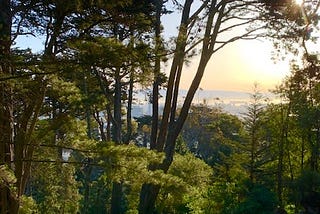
(71, 143)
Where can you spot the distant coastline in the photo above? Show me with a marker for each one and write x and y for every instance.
(233, 102)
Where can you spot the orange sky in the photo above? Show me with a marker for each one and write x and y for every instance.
(238, 66)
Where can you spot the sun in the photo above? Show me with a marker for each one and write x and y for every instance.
(299, 2)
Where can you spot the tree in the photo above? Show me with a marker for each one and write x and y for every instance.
(8, 198)
(215, 137)
(185, 194)
(158, 76)
(25, 81)
(213, 16)
(302, 92)
(94, 54)
(258, 199)
(293, 29)
(125, 60)
(292, 25)
(254, 126)
(280, 134)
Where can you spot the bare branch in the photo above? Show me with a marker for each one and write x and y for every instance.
(193, 45)
(245, 36)
(235, 25)
(200, 9)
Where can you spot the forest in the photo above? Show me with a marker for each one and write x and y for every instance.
(69, 142)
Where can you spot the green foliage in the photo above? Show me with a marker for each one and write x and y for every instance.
(305, 189)
(55, 189)
(69, 95)
(67, 92)
(291, 25)
(100, 194)
(238, 197)
(210, 133)
(181, 188)
(28, 205)
(222, 198)
(301, 90)
(74, 79)
(183, 193)
(52, 183)
(181, 146)
(308, 181)
(258, 199)
(7, 176)
(129, 165)
(7, 179)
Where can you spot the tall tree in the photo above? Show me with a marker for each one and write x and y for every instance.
(119, 43)
(9, 202)
(214, 18)
(254, 127)
(303, 95)
(27, 79)
(158, 76)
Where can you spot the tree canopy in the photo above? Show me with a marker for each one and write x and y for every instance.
(70, 143)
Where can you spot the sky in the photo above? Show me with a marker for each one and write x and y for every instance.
(236, 67)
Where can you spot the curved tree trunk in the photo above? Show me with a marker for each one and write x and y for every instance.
(9, 202)
(156, 81)
(170, 127)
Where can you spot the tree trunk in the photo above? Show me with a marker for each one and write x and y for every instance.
(116, 126)
(302, 153)
(174, 132)
(108, 128)
(252, 156)
(87, 170)
(107, 94)
(175, 96)
(281, 145)
(149, 192)
(148, 198)
(9, 202)
(116, 197)
(176, 63)
(313, 146)
(170, 129)
(156, 82)
(129, 108)
(23, 143)
(6, 111)
(88, 110)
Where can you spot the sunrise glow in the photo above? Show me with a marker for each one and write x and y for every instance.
(238, 66)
